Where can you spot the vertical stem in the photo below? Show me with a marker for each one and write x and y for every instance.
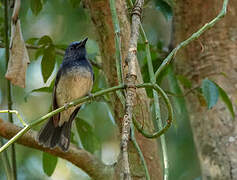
(134, 141)
(157, 122)
(13, 152)
(118, 47)
(117, 41)
(6, 163)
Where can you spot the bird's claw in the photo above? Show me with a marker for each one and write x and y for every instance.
(66, 105)
(92, 97)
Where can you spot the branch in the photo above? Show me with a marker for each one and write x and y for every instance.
(58, 52)
(131, 77)
(194, 36)
(79, 157)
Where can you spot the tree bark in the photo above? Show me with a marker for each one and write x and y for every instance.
(213, 54)
(101, 17)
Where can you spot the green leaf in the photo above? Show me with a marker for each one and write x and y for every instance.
(47, 89)
(39, 52)
(164, 8)
(48, 62)
(49, 163)
(87, 136)
(210, 92)
(45, 40)
(226, 100)
(184, 81)
(42, 89)
(36, 6)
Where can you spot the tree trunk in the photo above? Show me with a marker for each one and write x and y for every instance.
(101, 17)
(213, 54)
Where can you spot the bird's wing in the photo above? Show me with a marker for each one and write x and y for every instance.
(56, 117)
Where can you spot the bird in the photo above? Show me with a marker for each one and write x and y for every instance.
(74, 80)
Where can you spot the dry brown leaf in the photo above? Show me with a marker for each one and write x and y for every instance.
(19, 59)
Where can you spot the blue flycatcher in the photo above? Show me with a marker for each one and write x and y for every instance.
(74, 80)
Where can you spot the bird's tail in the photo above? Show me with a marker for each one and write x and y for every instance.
(50, 136)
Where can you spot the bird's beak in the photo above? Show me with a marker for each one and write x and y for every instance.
(83, 43)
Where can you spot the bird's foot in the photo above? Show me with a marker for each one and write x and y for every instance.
(66, 105)
(92, 97)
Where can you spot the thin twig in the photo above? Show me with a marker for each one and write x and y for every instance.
(194, 36)
(17, 114)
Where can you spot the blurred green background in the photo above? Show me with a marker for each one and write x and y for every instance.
(64, 23)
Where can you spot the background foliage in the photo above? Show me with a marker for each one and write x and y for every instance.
(52, 29)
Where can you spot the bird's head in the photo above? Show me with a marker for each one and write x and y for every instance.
(76, 50)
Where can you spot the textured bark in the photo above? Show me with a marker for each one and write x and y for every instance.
(101, 17)
(215, 131)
